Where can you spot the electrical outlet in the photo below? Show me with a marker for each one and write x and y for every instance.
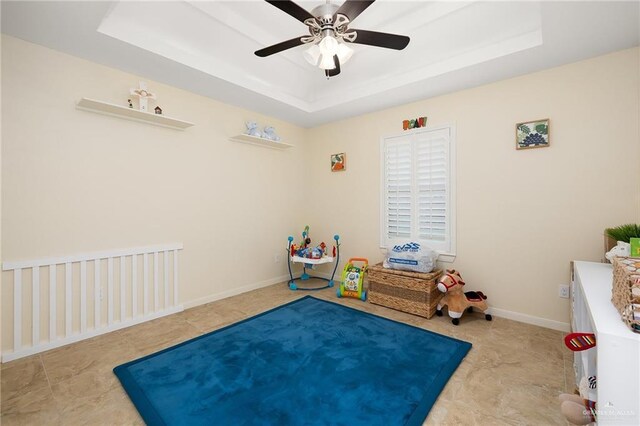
(276, 258)
(100, 295)
(564, 291)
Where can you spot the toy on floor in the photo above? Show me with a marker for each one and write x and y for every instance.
(458, 301)
(580, 341)
(352, 284)
(310, 257)
(577, 410)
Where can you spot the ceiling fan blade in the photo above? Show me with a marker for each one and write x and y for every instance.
(374, 38)
(352, 8)
(336, 70)
(279, 47)
(292, 9)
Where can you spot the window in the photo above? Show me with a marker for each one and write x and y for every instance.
(418, 199)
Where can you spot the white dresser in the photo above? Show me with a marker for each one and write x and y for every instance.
(615, 360)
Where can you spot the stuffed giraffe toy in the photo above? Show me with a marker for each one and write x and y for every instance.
(456, 300)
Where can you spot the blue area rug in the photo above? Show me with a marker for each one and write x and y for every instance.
(309, 362)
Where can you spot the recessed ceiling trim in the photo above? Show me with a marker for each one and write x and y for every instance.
(122, 24)
(454, 46)
(464, 60)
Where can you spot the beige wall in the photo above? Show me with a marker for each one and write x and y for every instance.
(1, 199)
(522, 215)
(75, 181)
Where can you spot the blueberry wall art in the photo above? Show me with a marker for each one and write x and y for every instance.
(532, 134)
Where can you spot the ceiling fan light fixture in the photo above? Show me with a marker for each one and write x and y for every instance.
(326, 62)
(344, 53)
(329, 46)
(312, 55)
(329, 34)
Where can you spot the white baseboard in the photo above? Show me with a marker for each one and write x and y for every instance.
(502, 313)
(235, 291)
(254, 286)
(530, 319)
(10, 356)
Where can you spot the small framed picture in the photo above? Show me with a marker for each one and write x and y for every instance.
(338, 162)
(532, 134)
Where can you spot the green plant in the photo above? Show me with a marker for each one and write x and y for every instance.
(624, 232)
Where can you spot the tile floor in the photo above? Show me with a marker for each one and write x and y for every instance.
(512, 375)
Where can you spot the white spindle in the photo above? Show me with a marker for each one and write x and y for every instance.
(110, 290)
(155, 282)
(154, 305)
(53, 293)
(17, 309)
(134, 286)
(145, 283)
(67, 297)
(165, 256)
(175, 277)
(83, 296)
(35, 326)
(97, 295)
(123, 303)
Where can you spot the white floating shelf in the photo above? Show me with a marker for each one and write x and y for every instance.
(254, 140)
(114, 110)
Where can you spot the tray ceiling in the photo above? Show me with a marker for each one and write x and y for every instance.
(207, 47)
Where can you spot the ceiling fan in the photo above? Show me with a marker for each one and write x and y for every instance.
(329, 32)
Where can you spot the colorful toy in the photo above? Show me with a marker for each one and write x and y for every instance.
(304, 250)
(310, 257)
(580, 341)
(458, 301)
(352, 284)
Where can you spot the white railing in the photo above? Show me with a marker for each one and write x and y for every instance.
(132, 296)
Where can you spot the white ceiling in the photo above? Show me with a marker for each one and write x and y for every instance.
(207, 47)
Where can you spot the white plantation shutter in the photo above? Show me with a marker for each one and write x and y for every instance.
(399, 189)
(432, 181)
(417, 188)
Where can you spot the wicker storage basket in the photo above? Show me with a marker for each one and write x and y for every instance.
(411, 292)
(626, 290)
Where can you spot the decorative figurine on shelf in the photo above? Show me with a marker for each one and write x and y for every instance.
(130, 104)
(143, 95)
(158, 110)
(252, 129)
(270, 133)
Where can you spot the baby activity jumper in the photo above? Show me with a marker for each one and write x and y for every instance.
(310, 257)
